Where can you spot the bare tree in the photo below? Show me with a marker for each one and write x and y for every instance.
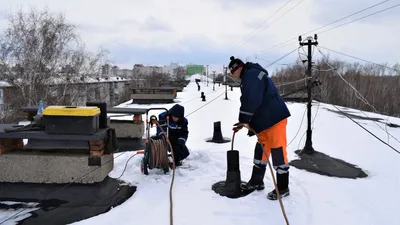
(155, 78)
(41, 54)
(180, 73)
(379, 85)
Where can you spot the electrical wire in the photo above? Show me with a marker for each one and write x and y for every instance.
(298, 130)
(298, 3)
(345, 114)
(126, 164)
(197, 97)
(359, 96)
(367, 130)
(312, 128)
(262, 24)
(285, 43)
(280, 45)
(364, 60)
(204, 104)
(289, 83)
(269, 61)
(352, 21)
(287, 54)
(353, 14)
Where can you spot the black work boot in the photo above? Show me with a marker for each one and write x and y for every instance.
(282, 181)
(256, 181)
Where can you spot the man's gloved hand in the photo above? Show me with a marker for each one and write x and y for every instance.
(250, 133)
(238, 126)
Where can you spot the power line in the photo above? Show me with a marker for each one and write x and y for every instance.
(285, 43)
(275, 62)
(362, 98)
(282, 64)
(204, 104)
(281, 45)
(355, 13)
(263, 22)
(197, 97)
(360, 18)
(361, 59)
(284, 56)
(290, 82)
(366, 130)
(279, 17)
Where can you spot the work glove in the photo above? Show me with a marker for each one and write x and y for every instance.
(250, 133)
(238, 126)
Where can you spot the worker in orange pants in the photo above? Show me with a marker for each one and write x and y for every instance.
(264, 111)
(274, 143)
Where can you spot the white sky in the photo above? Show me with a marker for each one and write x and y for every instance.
(206, 31)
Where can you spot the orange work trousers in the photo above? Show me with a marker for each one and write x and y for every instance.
(274, 141)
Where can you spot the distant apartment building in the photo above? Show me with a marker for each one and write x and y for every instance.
(140, 69)
(115, 71)
(170, 69)
(192, 69)
(125, 73)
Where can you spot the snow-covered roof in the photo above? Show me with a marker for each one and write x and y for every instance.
(314, 199)
(4, 84)
(57, 80)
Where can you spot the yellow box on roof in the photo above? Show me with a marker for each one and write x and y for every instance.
(71, 111)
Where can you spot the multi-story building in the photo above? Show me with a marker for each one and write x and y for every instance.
(170, 69)
(192, 69)
(140, 69)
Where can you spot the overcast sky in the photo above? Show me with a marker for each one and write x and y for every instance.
(210, 31)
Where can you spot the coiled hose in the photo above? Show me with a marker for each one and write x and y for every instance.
(159, 153)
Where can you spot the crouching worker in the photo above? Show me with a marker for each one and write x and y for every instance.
(178, 131)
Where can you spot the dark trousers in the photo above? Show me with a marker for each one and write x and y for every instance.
(181, 151)
(258, 152)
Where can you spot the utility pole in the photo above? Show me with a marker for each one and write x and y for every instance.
(308, 148)
(207, 76)
(214, 80)
(226, 82)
